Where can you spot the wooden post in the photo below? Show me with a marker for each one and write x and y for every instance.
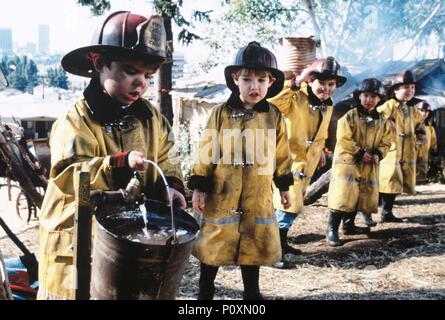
(82, 238)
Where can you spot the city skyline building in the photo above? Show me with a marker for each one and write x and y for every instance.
(43, 43)
(6, 41)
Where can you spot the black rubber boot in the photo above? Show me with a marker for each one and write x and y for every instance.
(389, 217)
(251, 278)
(207, 282)
(349, 226)
(332, 233)
(388, 200)
(367, 219)
(285, 247)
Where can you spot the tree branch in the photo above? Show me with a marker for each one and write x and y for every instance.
(343, 26)
(316, 26)
(422, 27)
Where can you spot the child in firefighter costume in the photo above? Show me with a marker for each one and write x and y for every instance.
(109, 132)
(307, 108)
(232, 184)
(363, 139)
(424, 149)
(398, 168)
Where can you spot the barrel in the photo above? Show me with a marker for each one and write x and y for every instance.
(131, 264)
(297, 53)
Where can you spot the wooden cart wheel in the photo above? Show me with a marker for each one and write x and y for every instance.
(25, 208)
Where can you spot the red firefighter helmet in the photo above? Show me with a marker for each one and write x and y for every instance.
(324, 69)
(123, 34)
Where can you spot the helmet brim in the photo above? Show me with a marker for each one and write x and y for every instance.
(77, 61)
(357, 92)
(340, 80)
(274, 89)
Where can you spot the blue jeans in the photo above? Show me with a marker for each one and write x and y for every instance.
(285, 219)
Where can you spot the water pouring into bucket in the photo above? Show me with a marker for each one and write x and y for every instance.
(141, 250)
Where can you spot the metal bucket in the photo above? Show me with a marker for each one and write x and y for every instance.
(297, 53)
(128, 265)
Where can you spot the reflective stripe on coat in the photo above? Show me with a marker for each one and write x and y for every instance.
(238, 225)
(307, 130)
(355, 186)
(398, 168)
(78, 143)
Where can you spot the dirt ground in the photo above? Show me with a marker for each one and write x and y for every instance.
(397, 260)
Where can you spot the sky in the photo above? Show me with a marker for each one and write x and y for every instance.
(72, 26)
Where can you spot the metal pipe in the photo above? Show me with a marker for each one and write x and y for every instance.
(167, 187)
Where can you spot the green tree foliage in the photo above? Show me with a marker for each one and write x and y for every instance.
(97, 7)
(353, 31)
(166, 8)
(245, 21)
(57, 77)
(21, 72)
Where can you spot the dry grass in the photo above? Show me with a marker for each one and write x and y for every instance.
(397, 261)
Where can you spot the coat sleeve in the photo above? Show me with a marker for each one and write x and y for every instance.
(433, 143)
(345, 138)
(385, 143)
(386, 109)
(282, 176)
(419, 123)
(207, 155)
(74, 148)
(283, 101)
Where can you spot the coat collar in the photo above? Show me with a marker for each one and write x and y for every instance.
(410, 103)
(363, 111)
(105, 109)
(314, 101)
(235, 102)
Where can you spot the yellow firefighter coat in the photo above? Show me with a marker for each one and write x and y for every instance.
(238, 225)
(79, 143)
(307, 129)
(423, 152)
(398, 168)
(354, 184)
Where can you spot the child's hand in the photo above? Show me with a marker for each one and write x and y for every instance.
(376, 159)
(136, 161)
(285, 199)
(422, 138)
(367, 157)
(198, 200)
(177, 198)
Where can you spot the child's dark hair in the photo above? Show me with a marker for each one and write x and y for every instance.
(107, 58)
(248, 71)
(319, 76)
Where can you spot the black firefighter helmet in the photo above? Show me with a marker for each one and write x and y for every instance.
(371, 85)
(255, 57)
(405, 77)
(326, 68)
(423, 105)
(122, 34)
